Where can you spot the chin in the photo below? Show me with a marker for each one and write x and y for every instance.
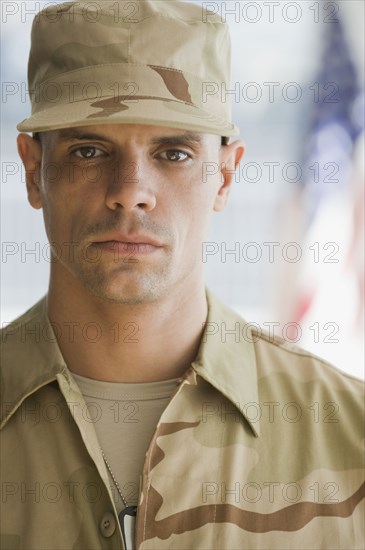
(129, 293)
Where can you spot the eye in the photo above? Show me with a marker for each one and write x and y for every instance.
(88, 152)
(174, 155)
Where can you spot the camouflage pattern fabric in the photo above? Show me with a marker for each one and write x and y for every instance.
(260, 447)
(153, 62)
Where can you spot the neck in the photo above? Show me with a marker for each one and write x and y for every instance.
(124, 343)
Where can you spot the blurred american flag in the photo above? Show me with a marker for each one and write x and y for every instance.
(333, 196)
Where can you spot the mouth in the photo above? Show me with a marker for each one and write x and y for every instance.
(128, 245)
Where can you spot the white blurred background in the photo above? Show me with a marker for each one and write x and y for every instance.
(294, 225)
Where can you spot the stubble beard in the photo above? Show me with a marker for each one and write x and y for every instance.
(128, 283)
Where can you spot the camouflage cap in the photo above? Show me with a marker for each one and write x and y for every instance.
(161, 62)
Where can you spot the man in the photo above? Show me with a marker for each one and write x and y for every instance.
(128, 420)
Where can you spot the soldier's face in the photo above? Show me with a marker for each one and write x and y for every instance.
(127, 207)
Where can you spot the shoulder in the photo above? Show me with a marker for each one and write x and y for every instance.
(25, 335)
(30, 357)
(14, 330)
(276, 355)
(270, 357)
(304, 386)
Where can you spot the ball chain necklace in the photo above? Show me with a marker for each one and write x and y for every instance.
(127, 517)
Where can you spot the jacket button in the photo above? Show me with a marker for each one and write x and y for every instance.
(107, 525)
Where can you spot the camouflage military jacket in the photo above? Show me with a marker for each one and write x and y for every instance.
(260, 447)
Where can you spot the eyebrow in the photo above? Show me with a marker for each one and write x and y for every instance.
(180, 139)
(73, 133)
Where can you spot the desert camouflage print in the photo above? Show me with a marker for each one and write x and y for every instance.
(152, 62)
(260, 447)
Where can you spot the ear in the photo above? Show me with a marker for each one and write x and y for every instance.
(231, 156)
(30, 151)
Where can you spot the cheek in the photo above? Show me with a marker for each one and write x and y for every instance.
(58, 213)
(69, 200)
(192, 213)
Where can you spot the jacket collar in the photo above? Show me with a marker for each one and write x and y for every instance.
(32, 359)
(226, 358)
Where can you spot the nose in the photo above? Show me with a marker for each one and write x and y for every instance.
(130, 188)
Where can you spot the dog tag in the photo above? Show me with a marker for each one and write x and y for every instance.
(127, 522)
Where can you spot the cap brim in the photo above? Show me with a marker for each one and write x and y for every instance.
(173, 114)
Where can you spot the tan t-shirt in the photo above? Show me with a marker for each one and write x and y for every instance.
(125, 417)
